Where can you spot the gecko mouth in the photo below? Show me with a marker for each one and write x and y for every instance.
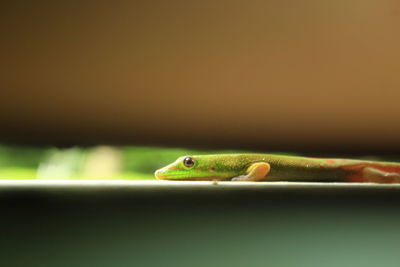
(194, 179)
(161, 175)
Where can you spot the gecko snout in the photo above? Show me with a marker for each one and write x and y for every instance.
(159, 174)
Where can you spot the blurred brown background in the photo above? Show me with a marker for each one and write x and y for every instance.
(268, 75)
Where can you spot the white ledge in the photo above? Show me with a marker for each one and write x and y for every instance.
(155, 184)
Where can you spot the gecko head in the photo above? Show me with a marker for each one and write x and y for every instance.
(188, 168)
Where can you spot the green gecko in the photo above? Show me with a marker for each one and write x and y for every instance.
(265, 167)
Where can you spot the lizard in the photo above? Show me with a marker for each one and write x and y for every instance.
(271, 167)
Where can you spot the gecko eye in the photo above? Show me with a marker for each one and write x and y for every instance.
(188, 162)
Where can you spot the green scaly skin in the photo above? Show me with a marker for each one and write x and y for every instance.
(282, 168)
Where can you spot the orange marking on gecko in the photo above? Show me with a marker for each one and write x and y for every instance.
(357, 174)
(360, 166)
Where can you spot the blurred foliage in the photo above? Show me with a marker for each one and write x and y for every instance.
(17, 156)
